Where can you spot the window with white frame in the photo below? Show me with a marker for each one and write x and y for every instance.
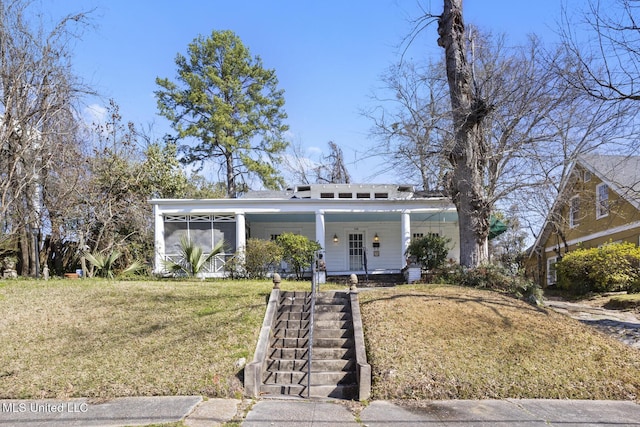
(551, 271)
(602, 200)
(574, 212)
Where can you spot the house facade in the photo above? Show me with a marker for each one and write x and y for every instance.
(361, 227)
(598, 203)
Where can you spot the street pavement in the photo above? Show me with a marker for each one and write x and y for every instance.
(198, 412)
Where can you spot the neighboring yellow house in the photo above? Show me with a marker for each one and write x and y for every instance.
(598, 203)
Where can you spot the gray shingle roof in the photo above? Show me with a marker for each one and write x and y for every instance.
(621, 173)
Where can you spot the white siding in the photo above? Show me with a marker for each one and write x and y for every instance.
(448, 229)
(388, 232)
(264, 230)
(336, 254)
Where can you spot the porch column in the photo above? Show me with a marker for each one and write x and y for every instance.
(320, 228)
(158, 239)
(405, 233)
(241, 232)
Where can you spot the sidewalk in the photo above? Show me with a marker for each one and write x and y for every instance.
(196, 412)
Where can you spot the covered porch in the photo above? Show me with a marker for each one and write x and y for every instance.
(357, 236)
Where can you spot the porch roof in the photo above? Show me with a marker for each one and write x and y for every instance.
(437, 216)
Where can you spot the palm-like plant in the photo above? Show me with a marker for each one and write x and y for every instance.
(104, 264)
(192, 258)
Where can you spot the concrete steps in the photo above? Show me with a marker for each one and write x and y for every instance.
(333, 367)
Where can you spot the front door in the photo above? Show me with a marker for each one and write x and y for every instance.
(356, 251)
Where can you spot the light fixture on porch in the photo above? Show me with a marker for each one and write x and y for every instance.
(335, 238)
(376, 238)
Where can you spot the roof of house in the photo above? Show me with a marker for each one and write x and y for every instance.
(620, 173)
(344, 191)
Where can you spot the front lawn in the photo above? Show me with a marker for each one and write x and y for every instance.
(103, 339)
(99, 338)
(447, 342)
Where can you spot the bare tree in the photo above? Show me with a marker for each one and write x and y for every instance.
(604, 45)
(37, 94)
(305, 169)
(515, 123)
(412, 122)
(333, 169)
(467, 156)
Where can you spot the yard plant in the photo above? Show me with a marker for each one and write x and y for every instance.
(297, 251)
(430, 251)
(192, 258)
(609, 268)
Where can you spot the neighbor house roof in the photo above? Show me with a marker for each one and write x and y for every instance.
(620, 173)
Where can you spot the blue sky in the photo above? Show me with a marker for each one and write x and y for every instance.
(328, 55)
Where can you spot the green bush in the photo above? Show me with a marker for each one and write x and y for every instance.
(297, 251)
(610, 268)
(430, 251)
(261, 257)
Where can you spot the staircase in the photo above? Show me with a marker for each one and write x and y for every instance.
(333, 364)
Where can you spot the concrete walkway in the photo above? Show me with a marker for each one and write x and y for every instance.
(621, 325)
(196, 412)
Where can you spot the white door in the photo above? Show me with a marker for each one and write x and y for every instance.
(356, 251)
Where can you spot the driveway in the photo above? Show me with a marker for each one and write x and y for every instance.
(622, 325)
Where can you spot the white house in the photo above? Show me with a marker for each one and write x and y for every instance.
(358, 225)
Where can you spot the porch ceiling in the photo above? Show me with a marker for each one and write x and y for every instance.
(353, 217)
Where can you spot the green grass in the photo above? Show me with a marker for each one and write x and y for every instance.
(104, 339)
(99, 338)
(445, 342)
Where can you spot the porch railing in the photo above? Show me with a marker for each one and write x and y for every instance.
(214, 265)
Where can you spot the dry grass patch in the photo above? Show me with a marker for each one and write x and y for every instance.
(446, 342)
(107, 338)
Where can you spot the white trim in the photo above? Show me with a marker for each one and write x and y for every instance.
(613, 186)
(599, 234)
(405, 235)
(320, 229)
(241, 232)
(158, 239)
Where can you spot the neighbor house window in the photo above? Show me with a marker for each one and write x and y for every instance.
(574, 212)
(602, 200)
(551, 271)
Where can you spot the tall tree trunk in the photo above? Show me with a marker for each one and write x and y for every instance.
(231, 181)
(468, 154)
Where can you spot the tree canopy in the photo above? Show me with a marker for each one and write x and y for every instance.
(225, 100)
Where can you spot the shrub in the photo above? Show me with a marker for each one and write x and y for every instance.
(430, 251)
(609, 268)
(494, 277)
(297, 251)
(260, 257)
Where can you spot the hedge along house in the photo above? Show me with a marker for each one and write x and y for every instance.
(358, 225)
(598, 203)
